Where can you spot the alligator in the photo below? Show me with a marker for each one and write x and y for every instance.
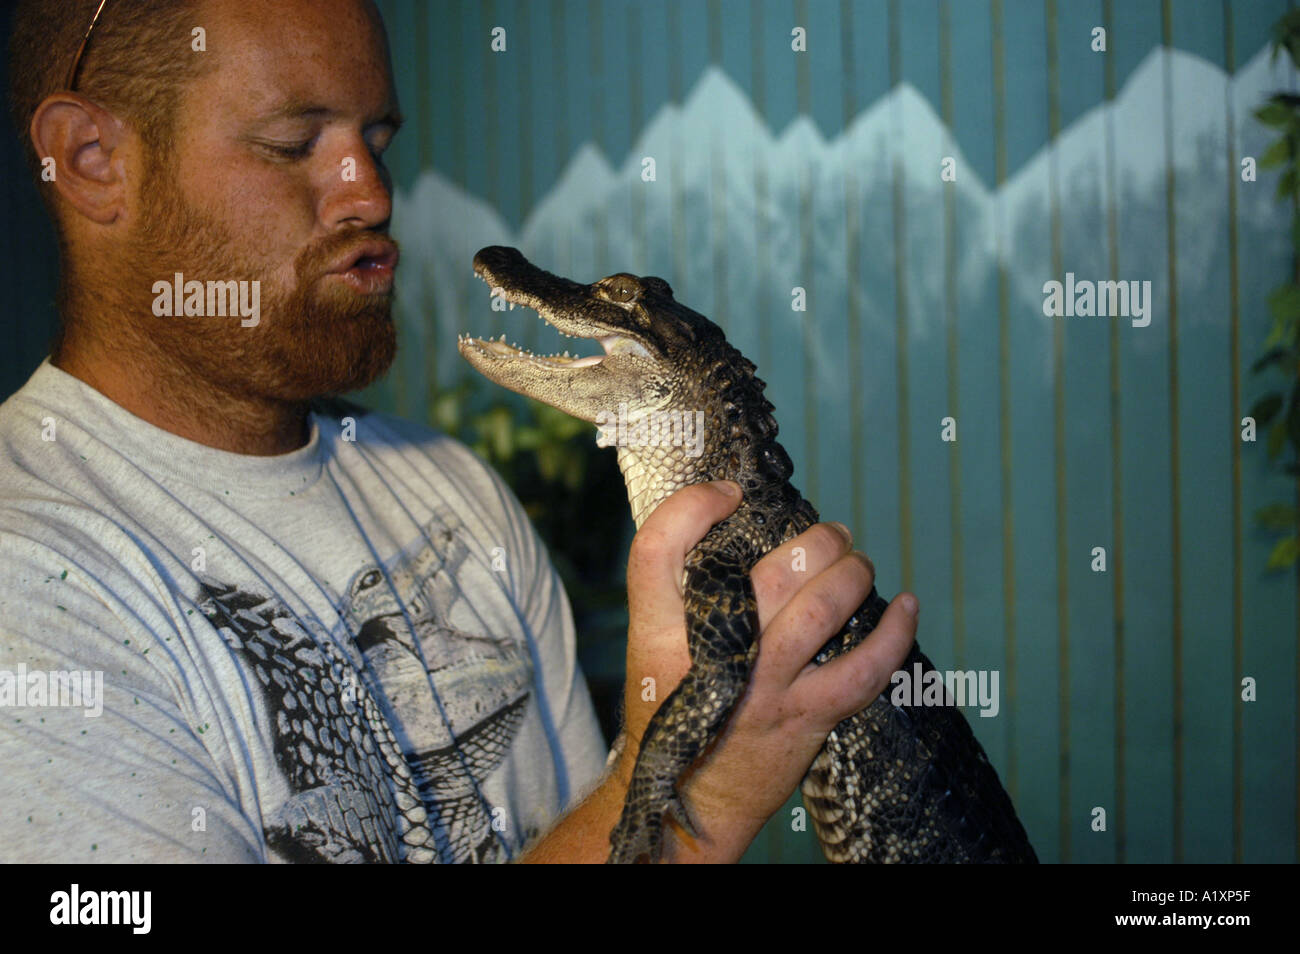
(893, 783)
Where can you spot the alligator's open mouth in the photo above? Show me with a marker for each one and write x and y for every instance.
(571, 309)
(498, 349)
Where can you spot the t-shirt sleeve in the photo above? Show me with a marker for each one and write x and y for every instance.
(550, 616)
(121, 769)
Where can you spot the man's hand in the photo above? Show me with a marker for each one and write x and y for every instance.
(790, 704)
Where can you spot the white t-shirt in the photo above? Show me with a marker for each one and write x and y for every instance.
(356, 651)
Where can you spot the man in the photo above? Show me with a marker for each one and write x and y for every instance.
(282, 628)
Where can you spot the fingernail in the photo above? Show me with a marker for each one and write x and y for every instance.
(909, 604)
(842, 529)
(728, 487)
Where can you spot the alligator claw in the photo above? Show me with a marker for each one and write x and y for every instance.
(640, 832)
(636, 839)
(676, 810)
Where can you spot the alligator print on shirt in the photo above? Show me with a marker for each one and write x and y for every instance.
(892, 783)
(393, 773)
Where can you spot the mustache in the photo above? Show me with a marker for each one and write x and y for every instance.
(316, 259)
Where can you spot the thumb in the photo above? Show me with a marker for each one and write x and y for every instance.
(658, 554)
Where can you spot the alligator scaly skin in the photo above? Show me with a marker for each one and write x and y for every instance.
(892, 783)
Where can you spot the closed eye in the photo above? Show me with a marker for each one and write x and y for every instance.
(380, 138)
(290, 151)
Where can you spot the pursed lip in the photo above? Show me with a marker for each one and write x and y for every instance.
(376, 253)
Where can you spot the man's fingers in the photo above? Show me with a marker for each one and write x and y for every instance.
(815, 614)
(783, 570)
(851, 682)
(658, 554)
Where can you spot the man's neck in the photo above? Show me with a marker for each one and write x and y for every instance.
(169, 396)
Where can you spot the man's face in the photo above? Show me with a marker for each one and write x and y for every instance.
(274, 175)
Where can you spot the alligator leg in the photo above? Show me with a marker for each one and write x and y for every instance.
(721, 625)
(677, 734)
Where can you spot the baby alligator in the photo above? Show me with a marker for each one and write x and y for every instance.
(893, 783)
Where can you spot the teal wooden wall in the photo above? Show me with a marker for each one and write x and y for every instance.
(777, 169)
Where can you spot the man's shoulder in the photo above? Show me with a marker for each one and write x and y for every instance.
(402, 445)
(382, 432)
(36, 463)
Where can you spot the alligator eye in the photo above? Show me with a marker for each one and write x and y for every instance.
(622, 290)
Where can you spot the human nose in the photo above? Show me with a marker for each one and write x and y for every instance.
(358, 191)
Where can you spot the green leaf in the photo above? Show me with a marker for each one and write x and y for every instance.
(1273, 114)
(550, 459)
(1272, 356)
(1278, 517)
(446, 411)
(1284, 302)
(530, 437)
(1284, 553)
(1286, 186)
(1276, 439)
(1286, 35)
(1293, 417)
(1283, 332)
(1266, 408)
(1276, 154)
(574, 472)
(497, 429)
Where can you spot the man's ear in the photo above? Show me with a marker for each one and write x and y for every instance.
(75, 140)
